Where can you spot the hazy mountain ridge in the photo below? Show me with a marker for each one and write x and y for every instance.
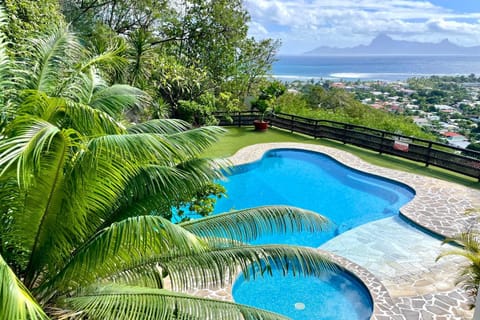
(385, 45)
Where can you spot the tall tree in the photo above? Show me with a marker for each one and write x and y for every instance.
(169, 42)
(121, 16)
(211, 33)
(254, 60)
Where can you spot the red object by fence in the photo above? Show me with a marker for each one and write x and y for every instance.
(400, 146)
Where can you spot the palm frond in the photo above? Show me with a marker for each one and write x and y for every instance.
(157, 189)
(52, 56)
(249, 224)
(122, 302)
(27, 148)
(40, 172)
(134, 148)
(155, 148)
(120, 244)
(197, 140)
(218, 265)
(66, 113)
(117, 98)
(470, 246)
(110, 60)
(5, 64)
(16, 302)
(153, 190)
(91, 122)
(143, 272)
(469, 275)
(39, 105)
(160, 126)
(106, 168)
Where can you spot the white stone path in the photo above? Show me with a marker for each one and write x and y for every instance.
(403, 258)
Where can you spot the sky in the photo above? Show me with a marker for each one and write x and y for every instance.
(303, 25)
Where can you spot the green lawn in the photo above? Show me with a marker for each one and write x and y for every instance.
(237, 138)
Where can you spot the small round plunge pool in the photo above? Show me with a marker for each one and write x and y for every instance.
(335, 295)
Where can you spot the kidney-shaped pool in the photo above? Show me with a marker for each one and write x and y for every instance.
(314, 181)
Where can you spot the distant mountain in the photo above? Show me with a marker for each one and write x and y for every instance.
(385, 45)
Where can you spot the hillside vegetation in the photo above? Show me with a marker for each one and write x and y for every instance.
(315, 101)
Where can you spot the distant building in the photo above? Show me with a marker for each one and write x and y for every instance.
(456, 139)
(395, 108)
(408, 91)
(445, 108)
(339, 85)
(422, 122)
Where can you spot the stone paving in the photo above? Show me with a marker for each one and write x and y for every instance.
(395, 260)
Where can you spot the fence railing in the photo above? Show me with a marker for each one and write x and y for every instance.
(442, 155)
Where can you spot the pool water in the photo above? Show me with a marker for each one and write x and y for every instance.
(333, 296)
(314, 181)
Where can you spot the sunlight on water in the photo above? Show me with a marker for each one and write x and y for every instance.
(313, 181)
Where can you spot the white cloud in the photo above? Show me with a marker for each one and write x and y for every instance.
(303, 24)
(258, 30)
(441, 25)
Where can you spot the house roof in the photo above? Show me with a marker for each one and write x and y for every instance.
(451, 134)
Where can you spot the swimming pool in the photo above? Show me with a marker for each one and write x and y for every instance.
(314, 181)
(335, 295)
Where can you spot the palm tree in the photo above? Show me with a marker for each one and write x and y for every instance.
(469, 248)
(82, 233)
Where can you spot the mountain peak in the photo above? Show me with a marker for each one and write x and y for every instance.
(383, 44)
(382, 37)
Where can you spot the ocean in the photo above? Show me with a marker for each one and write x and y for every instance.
(385, 68)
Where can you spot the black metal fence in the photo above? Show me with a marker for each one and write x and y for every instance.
(445, 156)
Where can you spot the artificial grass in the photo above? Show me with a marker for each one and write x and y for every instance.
(237, 138)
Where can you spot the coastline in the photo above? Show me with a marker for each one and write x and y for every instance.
(388, 68)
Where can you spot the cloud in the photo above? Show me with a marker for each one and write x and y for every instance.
(258, 29)
(441, 25)
(305, 24)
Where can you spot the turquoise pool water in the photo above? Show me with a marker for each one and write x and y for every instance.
(333, 296)
(314, 181)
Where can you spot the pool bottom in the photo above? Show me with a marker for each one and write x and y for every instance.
(336, 295)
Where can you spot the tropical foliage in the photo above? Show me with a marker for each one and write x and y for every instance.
(179, 50)
(25, 18)
(467, 245)
(470, 249)
(83, 193)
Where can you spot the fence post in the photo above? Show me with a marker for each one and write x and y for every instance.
(381, 143)
(315, 128)
(344, 139)
(239, 119)
(291, 123)
(427, 160)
